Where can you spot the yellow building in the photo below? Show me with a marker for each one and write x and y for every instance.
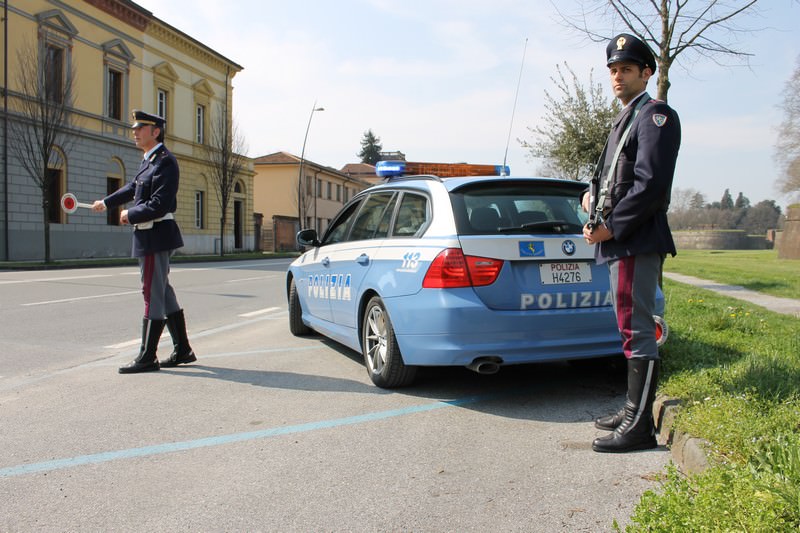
(118, 56)
(277, 196)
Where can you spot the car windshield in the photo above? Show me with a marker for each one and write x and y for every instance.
(511, 207)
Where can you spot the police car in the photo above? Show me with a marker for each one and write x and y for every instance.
(480, 272)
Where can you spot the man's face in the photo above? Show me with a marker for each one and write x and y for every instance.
(628, 79)
(145, 137)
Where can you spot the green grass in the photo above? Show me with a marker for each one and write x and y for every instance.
(736, 367)
(757, 270)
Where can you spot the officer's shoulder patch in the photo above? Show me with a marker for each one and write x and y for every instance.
(659, 119)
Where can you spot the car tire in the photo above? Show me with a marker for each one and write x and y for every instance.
(381, 352)
(296, 325)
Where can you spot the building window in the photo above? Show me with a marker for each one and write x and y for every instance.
(319, 188)
(112, 213)
(54, 192)
(199, 209)
(54, 73)
(330, 190)
(162, 104)
(114, 94)
(338, 192)
(200, 124)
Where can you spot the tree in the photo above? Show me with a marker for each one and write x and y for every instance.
(727, 200)
(44, 103)
(787, 149)
(575, 128)
(761, 217)
(670, 28)
(225, 159)
(742, 202)
(370, 148)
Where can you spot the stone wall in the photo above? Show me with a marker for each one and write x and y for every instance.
(789, 241)
(719, 240)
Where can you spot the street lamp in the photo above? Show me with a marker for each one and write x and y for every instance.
(314, 108)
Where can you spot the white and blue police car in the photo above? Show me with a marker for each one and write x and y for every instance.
(480, 272)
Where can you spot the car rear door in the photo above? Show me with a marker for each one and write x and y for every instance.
(534, 226)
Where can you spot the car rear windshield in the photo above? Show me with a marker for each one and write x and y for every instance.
(518, 207)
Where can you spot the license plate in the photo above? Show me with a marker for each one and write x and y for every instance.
(563, 273)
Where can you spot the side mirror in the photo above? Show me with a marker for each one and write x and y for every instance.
(307, 237)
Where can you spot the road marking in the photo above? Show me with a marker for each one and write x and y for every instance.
(77, 298)
(45, 280)
(160, 449)
(259, 312)
(252, 279)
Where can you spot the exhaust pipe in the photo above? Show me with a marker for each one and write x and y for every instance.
(486, 365)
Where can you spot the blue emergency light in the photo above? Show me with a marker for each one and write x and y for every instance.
(388, 169)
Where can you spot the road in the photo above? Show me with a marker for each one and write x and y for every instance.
(269, 432)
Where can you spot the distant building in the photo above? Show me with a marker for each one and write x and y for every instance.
(322, 194)
(123, 58)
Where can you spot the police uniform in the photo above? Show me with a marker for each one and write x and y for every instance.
(156, 235)
(633, 192)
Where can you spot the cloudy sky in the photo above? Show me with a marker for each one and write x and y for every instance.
(437, 79)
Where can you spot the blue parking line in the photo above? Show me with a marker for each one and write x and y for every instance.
(158, 449)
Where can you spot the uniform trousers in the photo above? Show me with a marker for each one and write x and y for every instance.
(633, 288)
(159, 296)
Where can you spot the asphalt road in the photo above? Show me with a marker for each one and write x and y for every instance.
(269, 432)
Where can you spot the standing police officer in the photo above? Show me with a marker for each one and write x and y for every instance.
(628, 223)
(156, 236)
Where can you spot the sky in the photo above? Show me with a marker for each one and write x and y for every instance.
(438, 80)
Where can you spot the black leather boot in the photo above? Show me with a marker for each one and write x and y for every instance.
(610, 422)
(636, 431)
(146, 361)
(182, 353)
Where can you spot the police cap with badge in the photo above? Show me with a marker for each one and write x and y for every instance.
(627, 47)
(140, 118)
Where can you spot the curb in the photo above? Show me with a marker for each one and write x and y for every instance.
(688, 453)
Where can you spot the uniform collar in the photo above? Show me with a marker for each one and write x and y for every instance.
(636, 99)
(151, 151)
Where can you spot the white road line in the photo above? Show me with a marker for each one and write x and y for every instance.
(81, 298)
(259, 312)
(251, 279)
(45, 280)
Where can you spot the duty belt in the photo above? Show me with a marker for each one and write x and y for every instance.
(149, 223)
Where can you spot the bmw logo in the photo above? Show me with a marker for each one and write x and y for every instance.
(568, 247)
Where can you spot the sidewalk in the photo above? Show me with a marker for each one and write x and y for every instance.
(786, 306)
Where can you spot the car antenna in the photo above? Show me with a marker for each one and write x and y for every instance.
(503, 171)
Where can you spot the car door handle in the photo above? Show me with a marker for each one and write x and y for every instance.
(326, 262)
(362, 259)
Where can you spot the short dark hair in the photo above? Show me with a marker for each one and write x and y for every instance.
(160, 137)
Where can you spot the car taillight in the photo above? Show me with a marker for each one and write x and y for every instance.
(451, 269)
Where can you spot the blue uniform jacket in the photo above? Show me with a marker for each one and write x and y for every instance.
(642, 184)
(154, 191)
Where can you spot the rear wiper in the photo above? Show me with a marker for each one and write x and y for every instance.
(558, 226)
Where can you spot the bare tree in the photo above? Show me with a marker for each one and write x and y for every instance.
(224, 154)
(43, 108)
(787, 149)
(670, 28)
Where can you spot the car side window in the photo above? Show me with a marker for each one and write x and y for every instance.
(368, 220)
(411, 216)
(337, 232)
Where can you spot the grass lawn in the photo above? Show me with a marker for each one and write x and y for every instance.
(736, 367)
(757, 270)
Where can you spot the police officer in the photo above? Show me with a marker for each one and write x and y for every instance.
(628, 203)
(156, 236)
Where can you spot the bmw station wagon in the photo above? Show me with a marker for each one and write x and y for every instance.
(481, 272)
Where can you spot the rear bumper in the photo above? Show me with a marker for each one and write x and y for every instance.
(453, 328)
